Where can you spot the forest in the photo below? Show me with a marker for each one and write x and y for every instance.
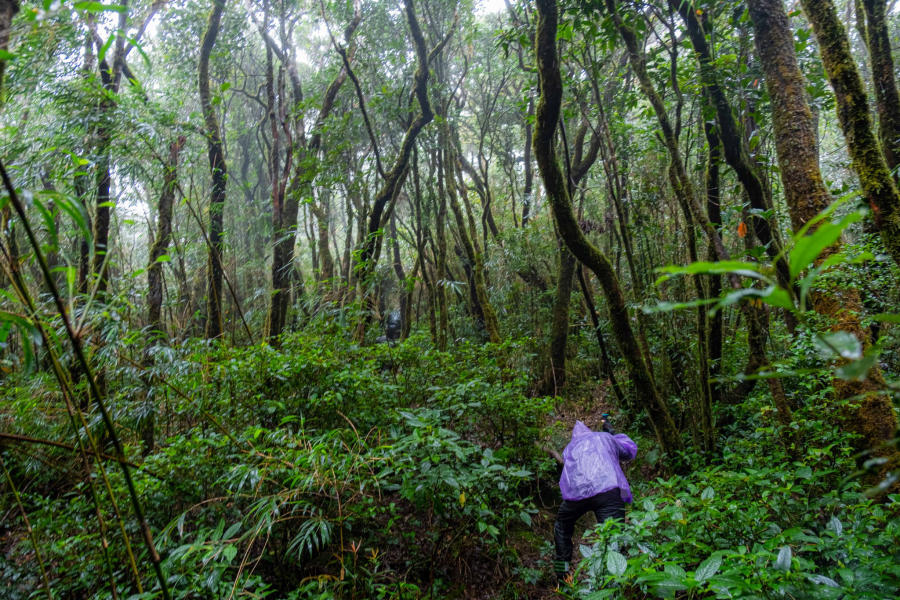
(302, 299)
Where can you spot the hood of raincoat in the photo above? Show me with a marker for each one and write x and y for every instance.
(591, 463)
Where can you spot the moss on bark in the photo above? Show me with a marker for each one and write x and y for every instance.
(853, 114)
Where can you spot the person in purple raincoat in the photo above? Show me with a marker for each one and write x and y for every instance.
(592, 479)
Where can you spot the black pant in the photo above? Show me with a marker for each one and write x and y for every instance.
(606, 505)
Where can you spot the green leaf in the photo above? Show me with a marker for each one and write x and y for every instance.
(101, 54)
(96, 7)
(858, 369)
(783, 562)
(229, 552)
(708, 493)
(616, 563)
(6, 55)
(841, 344)
(887, 317)
(708, 568)
(806, 249)
(748, 269)
(163, 258)
(671, 306)
(777, 296)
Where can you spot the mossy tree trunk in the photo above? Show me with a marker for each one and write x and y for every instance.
(807, 196)
(853, 113)
(547, 116)
(577, 168)
(8, 9)
(714, 289)
(886, 96)
(219, 175)
(162, 238)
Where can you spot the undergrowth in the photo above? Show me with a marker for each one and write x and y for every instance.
(324, 469)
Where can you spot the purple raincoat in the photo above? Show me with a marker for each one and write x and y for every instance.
(591, 463)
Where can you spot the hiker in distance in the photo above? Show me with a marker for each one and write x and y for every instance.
(592, 479)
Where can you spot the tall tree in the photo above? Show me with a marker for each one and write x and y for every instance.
(161, 243)
(8, 9)
(392, 179)
(853, 113)
(301, 149)
(219, 175)
(547, 116)
(806, 197)
(887, 99)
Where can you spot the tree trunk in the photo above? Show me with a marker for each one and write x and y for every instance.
(604, 353)
(219, 175)
(555, 377)
(8, 9)
(714, 212)
(735, 150)
(807, 196)
(853, 114)
(384, 199)
(161, 243)
(547, 116)
(528, 191)
(886, 97)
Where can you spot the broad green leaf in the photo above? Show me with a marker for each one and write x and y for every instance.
(229, 552)
(671, 306)
(163, 258)
(887, 317)
(841, 344)
(6, 55)
(708, 493)
(783, 562)
(95, 7)
(101, 54)
(746, 269)
(858, 369)
(616, 563)
(807, 248)
(777, 296)
(708, 568)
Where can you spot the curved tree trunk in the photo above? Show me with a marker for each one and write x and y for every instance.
(806, 197)
(219, 177)
(853, 114)
(547, 116)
